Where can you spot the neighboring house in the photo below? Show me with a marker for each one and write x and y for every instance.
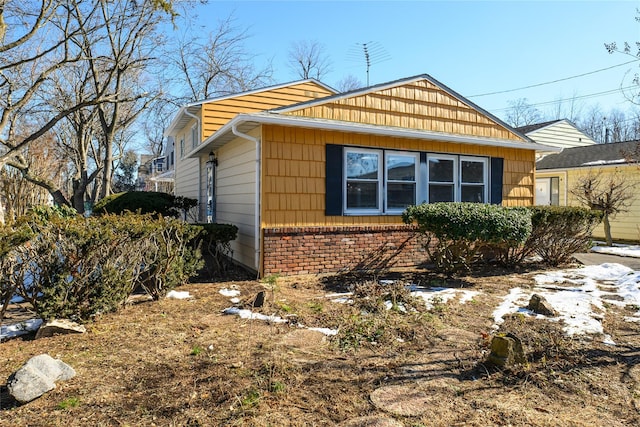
(153, 174)
(319, 184)
(556, 133)
(561, 172)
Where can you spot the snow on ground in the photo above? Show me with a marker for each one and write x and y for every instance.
(579, 295)
(621, 250)
(178, 295)
(12, 331)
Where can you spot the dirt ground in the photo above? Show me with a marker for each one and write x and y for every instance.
(184, 363)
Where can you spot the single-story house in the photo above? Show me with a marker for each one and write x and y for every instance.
(563, 170)
(318, 183)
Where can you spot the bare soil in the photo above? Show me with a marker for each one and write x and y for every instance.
(184, 363)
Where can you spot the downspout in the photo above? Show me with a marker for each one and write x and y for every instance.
(186, 112)
(239, 134)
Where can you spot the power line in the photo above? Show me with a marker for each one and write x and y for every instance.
(553, 81)
(590, 95)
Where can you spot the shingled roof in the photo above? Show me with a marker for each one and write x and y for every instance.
(530, 128)
(590, 155)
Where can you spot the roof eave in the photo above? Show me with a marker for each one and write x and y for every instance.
(219, 138)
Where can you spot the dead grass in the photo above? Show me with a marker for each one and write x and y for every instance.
(183, 363)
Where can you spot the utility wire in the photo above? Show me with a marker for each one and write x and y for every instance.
(553, 81)
(590, 95)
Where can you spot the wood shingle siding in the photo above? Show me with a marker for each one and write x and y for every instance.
(216, 114)
(415, 105)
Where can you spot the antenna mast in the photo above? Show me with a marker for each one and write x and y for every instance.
(373, 52)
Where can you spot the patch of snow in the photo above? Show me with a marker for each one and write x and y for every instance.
(621, 250)
(608, 340)
(605, 162)
(511, 303)
(443, 295)
(178, 295)
(248, 314)
(22, 328)
(229, 292)
(235, 300)
(326, 331)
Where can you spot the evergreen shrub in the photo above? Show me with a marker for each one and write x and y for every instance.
(144, 202)
(457, 232)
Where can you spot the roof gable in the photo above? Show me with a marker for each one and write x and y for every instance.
(219, 110)
(557, 133)
(591, 155)
(419, 102)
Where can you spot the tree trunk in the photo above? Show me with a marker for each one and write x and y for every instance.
(607, 230)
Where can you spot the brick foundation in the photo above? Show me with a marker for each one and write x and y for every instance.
(312, 250)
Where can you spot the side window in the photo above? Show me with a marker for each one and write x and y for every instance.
(555, 191)
(363, 180)
(442, 173)
(401, 180)
(195, 140)
(181, 148)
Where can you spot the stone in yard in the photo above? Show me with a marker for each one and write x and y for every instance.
(506, 351)
(38, 376)
(60, 327)
(404, 400)
(372, 421)
(538, 304)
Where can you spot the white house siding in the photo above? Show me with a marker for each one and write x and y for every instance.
(561, 134)
(236, 197)
(187, 174)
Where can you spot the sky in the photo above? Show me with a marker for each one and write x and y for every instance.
(473, 47)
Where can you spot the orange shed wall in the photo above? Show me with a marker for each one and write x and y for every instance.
(299, 238)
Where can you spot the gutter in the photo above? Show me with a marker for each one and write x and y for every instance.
(257, 230)
(199, 124)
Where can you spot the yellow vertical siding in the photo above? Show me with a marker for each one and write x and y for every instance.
(625, 225)
(293, 174)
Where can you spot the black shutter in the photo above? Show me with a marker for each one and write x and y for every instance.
(333, 168)
(497, 166)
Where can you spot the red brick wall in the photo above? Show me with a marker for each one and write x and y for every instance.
(311, 250)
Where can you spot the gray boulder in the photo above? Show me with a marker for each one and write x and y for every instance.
(38, 376)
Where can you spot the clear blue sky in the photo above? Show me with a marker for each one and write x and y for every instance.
(474, 47)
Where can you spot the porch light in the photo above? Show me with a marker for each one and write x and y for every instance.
(212, 159)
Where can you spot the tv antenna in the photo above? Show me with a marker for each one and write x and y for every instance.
(372, 52)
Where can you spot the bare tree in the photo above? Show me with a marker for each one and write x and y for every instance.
(349, 83)
(218, 64)
(609, 194)
(521, 113)
(308, 59)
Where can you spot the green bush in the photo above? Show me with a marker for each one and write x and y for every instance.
(457, 232)
(78, 267)
(560, 231)
(145, 202)
(214, 241)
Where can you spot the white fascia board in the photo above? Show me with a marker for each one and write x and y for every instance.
(334, 125)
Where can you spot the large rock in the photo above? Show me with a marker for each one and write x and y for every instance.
(38, 376)
(506, 351)
(59, 327)
(538, 304)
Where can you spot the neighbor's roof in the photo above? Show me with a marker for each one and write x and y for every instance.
(590, 155)
(533, 127)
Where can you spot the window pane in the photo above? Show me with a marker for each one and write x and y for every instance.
(555, 191)
(440, 170)
(362, 165)
(362, 195)
(440, 193)
(401, 168)
(399, 196)
(472, 193)
(472, 172)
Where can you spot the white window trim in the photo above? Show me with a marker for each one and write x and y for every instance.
(485, 176)
(181, 148)
(416, 156)
(381, 165)
(456, 175)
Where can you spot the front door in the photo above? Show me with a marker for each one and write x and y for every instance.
(543, 191)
